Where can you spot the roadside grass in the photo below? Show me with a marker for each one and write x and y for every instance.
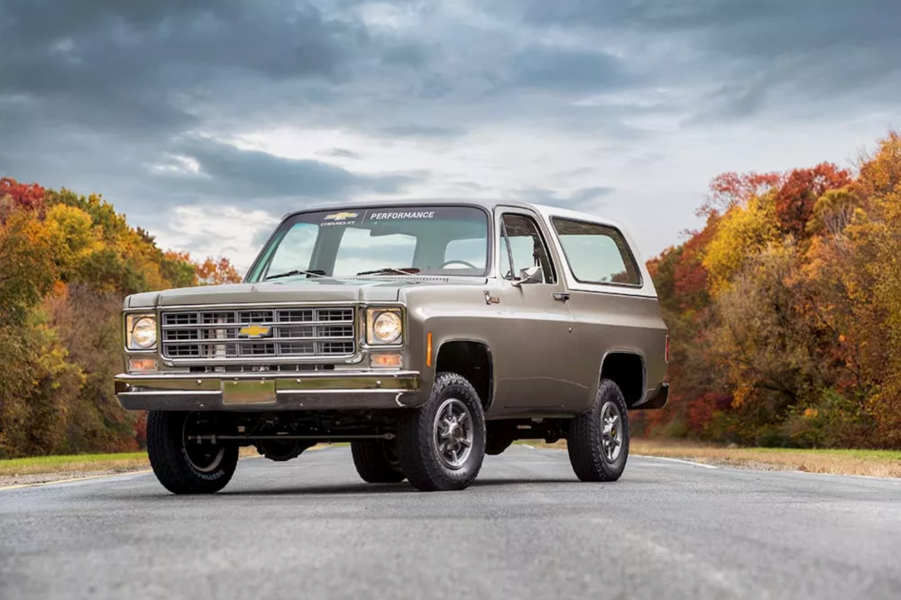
(872, 463)
(74, 463)
(84, 463)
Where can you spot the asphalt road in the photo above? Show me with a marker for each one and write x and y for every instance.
(527, 529)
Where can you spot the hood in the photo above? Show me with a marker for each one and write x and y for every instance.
(296, 290)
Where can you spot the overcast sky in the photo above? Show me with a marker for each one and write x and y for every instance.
(205, 121)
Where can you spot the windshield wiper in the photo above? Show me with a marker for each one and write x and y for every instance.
(389, 270)
(311, 273)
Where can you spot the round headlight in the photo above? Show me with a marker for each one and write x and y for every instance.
(143, 333)
(387, 327)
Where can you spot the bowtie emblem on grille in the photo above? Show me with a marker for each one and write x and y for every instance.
(254, 331)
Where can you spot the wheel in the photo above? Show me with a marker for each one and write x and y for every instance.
(598, 439)
(184, 465)
(442, 443)
(376, 462)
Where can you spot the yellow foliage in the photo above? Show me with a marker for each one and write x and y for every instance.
(75, 235)
(743, 231)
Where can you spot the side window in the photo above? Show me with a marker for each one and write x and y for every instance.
(521, 235)
(596, 253)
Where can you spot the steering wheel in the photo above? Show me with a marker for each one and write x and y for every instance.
(462, 262)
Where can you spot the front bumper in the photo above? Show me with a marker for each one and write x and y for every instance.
(257, 392)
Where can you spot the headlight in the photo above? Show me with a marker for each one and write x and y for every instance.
(383, 326)
(140, 332)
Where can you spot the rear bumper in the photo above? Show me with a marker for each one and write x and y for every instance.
(255, 392)
(654, 400)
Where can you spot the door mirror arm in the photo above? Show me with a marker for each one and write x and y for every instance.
(529, 275)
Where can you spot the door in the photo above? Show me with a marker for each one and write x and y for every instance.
(535, 365)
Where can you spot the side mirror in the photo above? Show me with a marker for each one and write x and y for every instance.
(529, 275)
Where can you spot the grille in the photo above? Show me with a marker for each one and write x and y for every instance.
(290, 332)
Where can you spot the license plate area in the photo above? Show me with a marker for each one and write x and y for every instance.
(248, 391)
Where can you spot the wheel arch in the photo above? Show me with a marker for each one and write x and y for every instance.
(472, 359)
(628, 369)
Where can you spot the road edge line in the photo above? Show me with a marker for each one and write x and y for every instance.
(676, 460)
(72, 480)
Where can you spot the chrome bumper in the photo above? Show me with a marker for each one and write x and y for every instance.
(257, 392)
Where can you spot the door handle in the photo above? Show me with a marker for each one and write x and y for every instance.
(561, 296)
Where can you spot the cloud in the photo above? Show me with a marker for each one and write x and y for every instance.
(152, 103)
(216, 168)
(580, 197)
(341, 153)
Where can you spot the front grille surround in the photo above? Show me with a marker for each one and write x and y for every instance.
(212, 334)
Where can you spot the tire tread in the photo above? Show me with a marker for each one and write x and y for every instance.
(584, 439)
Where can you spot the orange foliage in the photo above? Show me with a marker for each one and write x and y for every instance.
(66, 261)
(733, 189)
(796, 197)
(217, 272)
(801, 344)
(29, 196)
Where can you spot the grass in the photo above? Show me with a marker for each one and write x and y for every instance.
(126, 461)
(873, 463)
(83, 463)
(876, 463)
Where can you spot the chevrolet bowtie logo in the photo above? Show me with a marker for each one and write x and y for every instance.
(341, 216)
(254, 331)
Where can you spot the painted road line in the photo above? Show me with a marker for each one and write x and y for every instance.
(89, 477)
(677, 460)
(74, 479)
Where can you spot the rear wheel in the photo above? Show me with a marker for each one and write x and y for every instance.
(377, 462)
(181, 462)
(442, 443)
(598, 440)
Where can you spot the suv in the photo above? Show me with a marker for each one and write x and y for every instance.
(427, 335)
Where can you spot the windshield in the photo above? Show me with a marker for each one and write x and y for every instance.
(400, 240)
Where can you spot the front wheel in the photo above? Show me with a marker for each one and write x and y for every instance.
(598, 440)
(183, 463)
(442, 443)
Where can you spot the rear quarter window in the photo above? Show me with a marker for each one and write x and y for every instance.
(597, 253)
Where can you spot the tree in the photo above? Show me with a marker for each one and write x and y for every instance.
(796, 197)
(743, 232)
(729, 190)
(216, 272)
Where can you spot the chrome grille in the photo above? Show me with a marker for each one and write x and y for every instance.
(292, 332)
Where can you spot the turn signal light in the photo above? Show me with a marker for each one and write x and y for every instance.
(386, 360)
(141, 365)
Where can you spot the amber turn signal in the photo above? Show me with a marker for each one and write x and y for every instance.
(141, 365)
(386, 360)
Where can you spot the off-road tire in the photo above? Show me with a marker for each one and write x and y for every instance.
(419, 455)
(373, 462)
(170, 461)
(584, 442)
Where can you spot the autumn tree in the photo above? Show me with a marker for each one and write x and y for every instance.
(796, 197)
(66, 261)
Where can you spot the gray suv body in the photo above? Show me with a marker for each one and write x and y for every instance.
(427, 334)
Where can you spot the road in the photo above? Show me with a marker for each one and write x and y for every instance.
(311, 529)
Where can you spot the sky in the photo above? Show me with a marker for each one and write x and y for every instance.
(205, 121)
